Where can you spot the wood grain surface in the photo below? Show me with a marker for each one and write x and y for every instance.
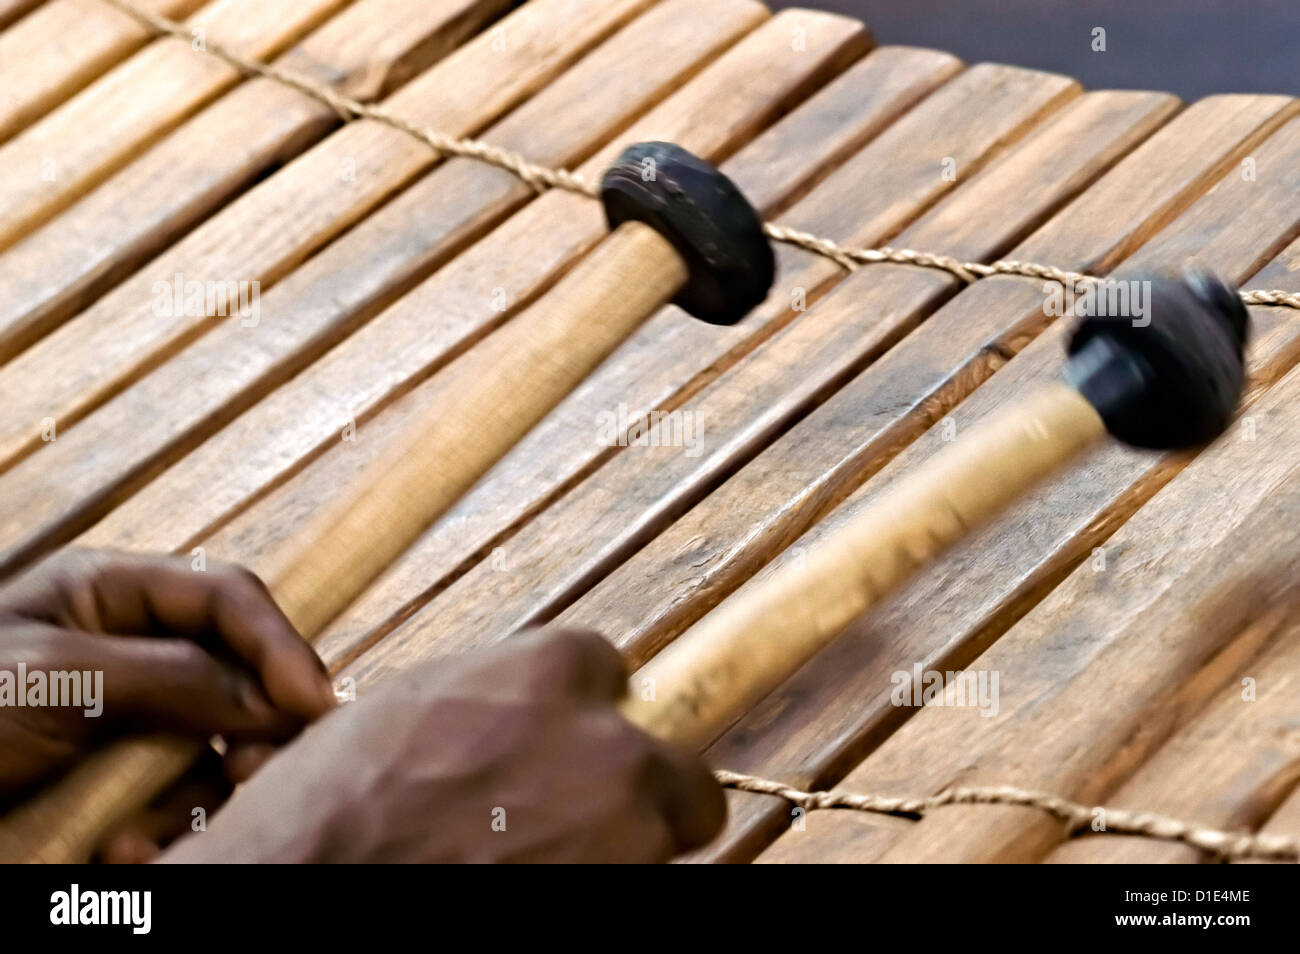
(345, 284)
(1137, 609)
(269, 230)
(72, 259)
(61, 47)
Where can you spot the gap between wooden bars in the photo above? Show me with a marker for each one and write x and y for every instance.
(1078, 817)
(542, 177)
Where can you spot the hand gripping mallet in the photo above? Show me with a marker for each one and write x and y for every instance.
(682, 231)
(1172, 384)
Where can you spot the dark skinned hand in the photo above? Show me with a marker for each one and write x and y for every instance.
(511, 754)
(197, 652)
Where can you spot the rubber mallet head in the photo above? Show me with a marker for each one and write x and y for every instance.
(1171, 382)
(1173, 379)
(704, 216)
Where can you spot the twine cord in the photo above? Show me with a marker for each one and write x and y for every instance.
(541, 177)
(1229, 845)
(1078, 818)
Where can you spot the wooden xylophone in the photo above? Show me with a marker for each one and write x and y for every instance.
(247, 256)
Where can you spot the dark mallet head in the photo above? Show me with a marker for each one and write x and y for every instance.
(701, 212)
(1173, 378)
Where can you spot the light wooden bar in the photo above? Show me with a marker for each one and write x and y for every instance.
(671, 345)
(374, 262)
(520, 257)
(11, 10)
(987, 584)
(268, 231)
(138, 211)
(87, 37)
(1137, 608)
(52, 162)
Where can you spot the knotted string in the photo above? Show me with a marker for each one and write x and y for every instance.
(541, 177)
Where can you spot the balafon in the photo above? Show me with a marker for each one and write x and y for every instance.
(102, 907)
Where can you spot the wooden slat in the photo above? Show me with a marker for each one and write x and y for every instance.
(1127, 679)
(63, 46)
(714, 113)
(671, 348)
(718, 543)
(961, 603)
(73, 148)
(1233, 764)
(1152, 670)
(324, 298)
(11, 10)
(605, 518)
(753, 516)
(64, 265)
(1100, 709)
(374, 46)
(1284, 821)
(808, 732)
(272, 228)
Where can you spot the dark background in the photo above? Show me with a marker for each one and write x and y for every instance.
(1189, 47)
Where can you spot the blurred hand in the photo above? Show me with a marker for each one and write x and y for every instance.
(512, 754)
(196, 652)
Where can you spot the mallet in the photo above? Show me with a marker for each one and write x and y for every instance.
(1171, 384)
(682, 231)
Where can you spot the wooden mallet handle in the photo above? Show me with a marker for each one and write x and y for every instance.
(681, 230)
(719, 668)
(501, 389)
(1171, 380)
